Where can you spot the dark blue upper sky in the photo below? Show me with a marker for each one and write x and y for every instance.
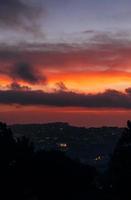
(64, 19)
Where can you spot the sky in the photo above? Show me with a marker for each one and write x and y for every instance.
(65, 61)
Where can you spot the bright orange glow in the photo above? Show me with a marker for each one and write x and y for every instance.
(83, 81)
(79, 81)
(92, 81)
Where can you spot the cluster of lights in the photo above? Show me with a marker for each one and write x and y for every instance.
(98, 158)
(63, 145)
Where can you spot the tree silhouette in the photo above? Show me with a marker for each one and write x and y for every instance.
(15, 158)
(7, 145)
(120, 165)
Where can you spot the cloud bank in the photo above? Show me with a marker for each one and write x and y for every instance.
(101, 53)
(107, 99)
(26, 72)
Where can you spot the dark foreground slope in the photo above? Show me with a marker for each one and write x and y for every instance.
(27, 174)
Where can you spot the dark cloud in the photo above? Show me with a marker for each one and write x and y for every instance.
(23, 71)
(19, 14)
(61, 86)
(26, 72)
(16, 86)
(88, 32)
(107, 99)
(128, 90)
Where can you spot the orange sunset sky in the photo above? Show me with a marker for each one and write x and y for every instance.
(65, 61)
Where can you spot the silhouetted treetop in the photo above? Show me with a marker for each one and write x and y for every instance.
(120, 165)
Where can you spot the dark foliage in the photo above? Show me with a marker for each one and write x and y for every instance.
(26, 174)
(120, 166)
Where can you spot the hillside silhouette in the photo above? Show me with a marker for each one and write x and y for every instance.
(30, 174)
